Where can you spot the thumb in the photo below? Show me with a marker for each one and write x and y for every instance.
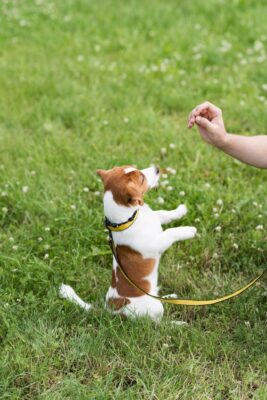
(204, 123)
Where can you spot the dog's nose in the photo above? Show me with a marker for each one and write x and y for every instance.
(157, 170)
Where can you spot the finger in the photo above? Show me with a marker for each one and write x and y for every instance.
(190, 116)
(207, 107)
(191, 122)
(204, 123)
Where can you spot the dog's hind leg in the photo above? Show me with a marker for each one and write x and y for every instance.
(66, 292)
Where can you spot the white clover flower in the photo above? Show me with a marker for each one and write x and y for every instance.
(15, 247)
(80, 58)
(160, 200)
(216, 215)
(259, 216)
(125, 120)
(235, 246)
(226, 46)
(32, 173)
(3, 194)
(40, 239)
(46, 256)
(215, 256)
(261, 58)
(207, 185)
(165, 345)
(164, 176)
(218, 228)
(197, 219)
(105, 122)
(23, 22)
(11, 239)
(171, 170)
(25, 189)
(243, 61)
(86, 189)
(215, 209)
(164, 183)
(182, 193)
(178, 323)
(258, 45)
(67, 18)
(259, 227)
(219, 202)
(47, 246)
(163, 150)
(154, 68)
(73, 207)
(97, 193)
(172, 146)
(247, 323)
(5, 210)
(169, 188)
(47, 229)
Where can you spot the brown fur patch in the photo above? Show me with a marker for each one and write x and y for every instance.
(113, 279)
(127, 189)
(117, 303)
(136, 267)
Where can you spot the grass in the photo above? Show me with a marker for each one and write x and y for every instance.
(87, 85)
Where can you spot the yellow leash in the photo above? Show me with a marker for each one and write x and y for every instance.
(185, 302)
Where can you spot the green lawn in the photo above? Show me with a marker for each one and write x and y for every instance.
(87, 85)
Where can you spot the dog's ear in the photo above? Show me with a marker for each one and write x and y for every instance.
(102, 173)
(135, 195)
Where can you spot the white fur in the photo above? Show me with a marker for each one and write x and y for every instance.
(147, 237)
(129, 169)
(66, 292)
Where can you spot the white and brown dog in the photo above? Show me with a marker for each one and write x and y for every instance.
(138, 248)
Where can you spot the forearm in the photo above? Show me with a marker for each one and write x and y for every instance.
(251, 150)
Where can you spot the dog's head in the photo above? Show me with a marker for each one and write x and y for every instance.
(128, 184)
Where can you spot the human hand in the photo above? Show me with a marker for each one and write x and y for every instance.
(209, 121)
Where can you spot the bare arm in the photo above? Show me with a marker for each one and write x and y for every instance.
(251, 150)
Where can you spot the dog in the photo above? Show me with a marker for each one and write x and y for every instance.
(139, 247)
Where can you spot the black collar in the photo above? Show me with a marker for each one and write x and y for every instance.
(111, 226)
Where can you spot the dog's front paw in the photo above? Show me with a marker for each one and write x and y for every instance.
(189, 232)
(181, 211)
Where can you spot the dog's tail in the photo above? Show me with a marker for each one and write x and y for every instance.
(66, 292)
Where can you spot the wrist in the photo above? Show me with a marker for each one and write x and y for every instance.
(225, 142)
